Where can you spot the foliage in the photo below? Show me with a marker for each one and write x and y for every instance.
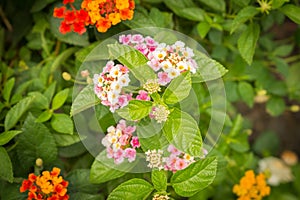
(44, 96)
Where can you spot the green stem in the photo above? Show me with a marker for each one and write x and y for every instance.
(12, 147)
(292, 58)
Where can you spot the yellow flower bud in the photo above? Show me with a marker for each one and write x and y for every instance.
(66, 76)
(295, 108)
(39, 162)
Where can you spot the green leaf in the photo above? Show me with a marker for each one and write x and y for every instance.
(193, 13)
(133, 59)
(6, 171)
(267, 144)
(63, 56)
(236, 126)
(135, 188)
(178, 89)
(292, 11)
(186, 9)
(293, 80)
(71, 38)
(84, 100)
(49, 92)
(45, 116)
(244, 15)
(60, 98)
(203, 28)
(247, 42)
(182, 131)
(8, 88)
(40, 101)
(278, 3)
(239, 143)
(283, 50)
(246, 92)
(7, 136)
(81, 196)
(195, 177)
(62, 123)
(155, 18)
(135, 110)
(150, 135)
(102, 169)
(16, 112)
(63, 140)
(36, 141)
(208, 69)
(80, 181)
(275, 106)
(159, 180)
(218, 5)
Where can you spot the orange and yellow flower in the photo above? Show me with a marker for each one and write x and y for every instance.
(252, 187)
(48, 186)
(105, 13)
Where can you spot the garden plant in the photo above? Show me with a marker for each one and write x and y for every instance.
(149, 99)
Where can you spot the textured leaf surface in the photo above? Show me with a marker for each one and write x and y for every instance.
(194, 178)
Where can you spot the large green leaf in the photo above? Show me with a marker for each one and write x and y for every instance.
(150, 135)
(135, 188)
(7, 136)
(60, 98)
(84, 100)
(159, 180)
(292, 11)
(246, 92)
(16, 112)
(218, 5)
(245, 14)
(183, 132)
(275, 106)
(36, 141)
(178, 89)
(278, 3)
(247, 42)
(155, 18)
(49, 92)
(40, 101)
(195, 177)
(8, 88)
(62, 123)
(6, 171)
(133, 59)
(79, 178)
(208, 69)
(135, 110)
(186, 9)
(63, 140)
(102, 169)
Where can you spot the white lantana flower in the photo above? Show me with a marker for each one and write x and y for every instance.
(277, 170)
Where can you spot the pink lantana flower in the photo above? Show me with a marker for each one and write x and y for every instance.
(135, 143)
(130, 153)
(143, 95)
(163, 78)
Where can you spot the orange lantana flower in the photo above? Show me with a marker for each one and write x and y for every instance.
(48, 186)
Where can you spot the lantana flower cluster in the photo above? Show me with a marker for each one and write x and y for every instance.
(73, 19)
(168, 61)
(100, 13)
(120, 143)
(48, 186)
(176, 160)
(109, 83)
(252, 186)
